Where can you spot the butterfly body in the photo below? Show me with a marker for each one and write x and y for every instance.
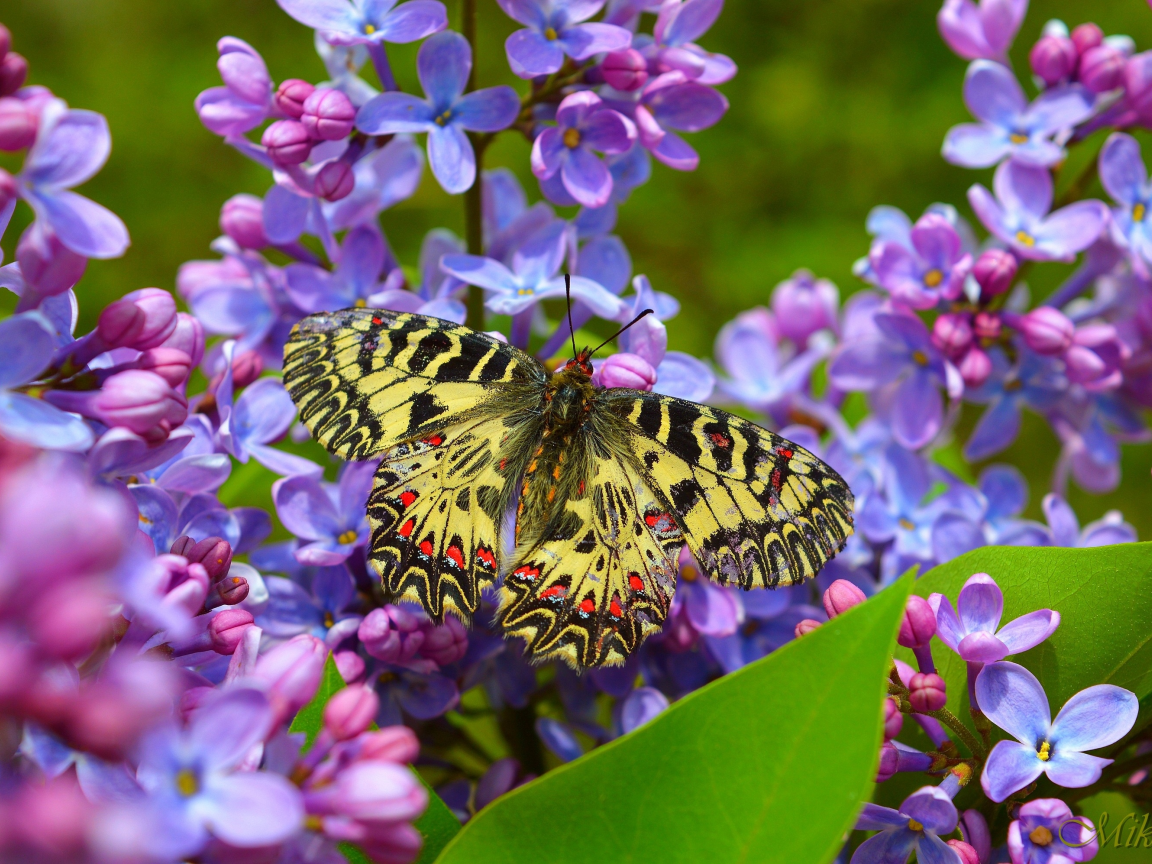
(607, 484)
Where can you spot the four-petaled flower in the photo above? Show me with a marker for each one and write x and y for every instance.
(563, 153)
(554, 28)
(362, 22)
(1124, 177)
(330, 516)
(974, 632)
(985, 31)
(1046, 832)
(931, 268)
(916, 826)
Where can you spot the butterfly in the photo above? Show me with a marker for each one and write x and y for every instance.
(608, 483)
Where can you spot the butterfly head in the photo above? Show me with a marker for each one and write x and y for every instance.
(580, 363)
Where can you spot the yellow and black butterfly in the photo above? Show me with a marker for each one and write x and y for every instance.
(612, 482)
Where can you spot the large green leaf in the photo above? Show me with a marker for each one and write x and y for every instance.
(767, 764)
(437, 826)
(1104, 597)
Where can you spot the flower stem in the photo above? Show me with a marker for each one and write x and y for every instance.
(962, 732)
(379, 57)
(473, 205)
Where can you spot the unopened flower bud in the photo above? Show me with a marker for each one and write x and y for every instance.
(893, 719)
(994, 271)
(805, 627)
(290, 96)
(334, 180)
(975, 367)
(927, 692)
(287, 142)
(18, 124)
(1137, 81)
(328, 115)
(229, 591)
(291, 672)
(120, 324)
(918, 625)
(626, 370)
(135, 399)
(889, 761)
(13, 71)
(841, 596)
(1053, 58)
(46, 263)
(159, 308)
(804, 305)
(171, 364)
(246, 368)
(952, 333)
(1046, 330)
(215, 553)
(390, 744)
(187, 336)
(227, 629)
(1102, 68)
(625, 70)
(974, 830)
(5, 41)
(391, 634)
(350, 712)
(242, 219)
(966, 853)
(1086, 36)
(67, 622)
(447, 643)
(350, 665)
(986, 325)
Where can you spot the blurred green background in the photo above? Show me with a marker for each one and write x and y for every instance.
(839, 105)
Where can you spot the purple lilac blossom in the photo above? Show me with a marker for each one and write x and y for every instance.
(555, 28)
(981, 32)
(326, 609)
(363, 254)
(1034, 382)
(1065, 530)
(245, 100)
(443, 63)
(672, 103)
(973, 629)
(916, 826)
(383, 177)
(369, 22)
(933, 269)
(672, 45)
(1124, 177)
(563, 154)
(330, 516)
(1046, 832)
(1012, 698)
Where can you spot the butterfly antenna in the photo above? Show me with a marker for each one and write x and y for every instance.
(568, 296)
(621, 330)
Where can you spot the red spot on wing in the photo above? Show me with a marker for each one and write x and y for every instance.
(486, 557)
(587, 606)
(376, 319)
(786, 452)
(662, 524)
(407, 497)
(433, 440)
(554, 592)
(720, 439)
(527, 572)
(777, 479)
(614, 608)
(635, 582)
(455, 555)
(426, 548)
(406, 528)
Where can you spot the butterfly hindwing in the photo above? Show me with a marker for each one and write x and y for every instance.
(602, 578)
(756, 510)
(366, 380)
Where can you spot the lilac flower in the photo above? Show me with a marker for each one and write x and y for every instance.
(933, 269)
(1006, 492)
(975, 633)
(532, 276)
(362, 257)
(326, 610)
(193, 782)
(673, 101)
(983, 32)
(343, 62)
(770, 619)
(804, 305)
(672, 45)
(892, 225)
(383, 177)
(30, 343)
(639, 707)
(443, 64)
(1124, 177)
(245, 100)
(1065, 527)
(71, 146)
(559, 737)
(369, 22)
(329, 515)
(916, 826)
(1035, 382)
(1018, 214)
(508, 220)
(629, 170)
(554, 28)
(1046, 832)
(700, 607)
(1009, 126)
(563, 153)
(436, 294)
(1012, 698)
(901, 357)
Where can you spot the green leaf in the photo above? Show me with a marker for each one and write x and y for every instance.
(437, 826)
(767, 764)
(1103, 595)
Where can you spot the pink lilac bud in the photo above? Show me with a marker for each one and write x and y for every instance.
(328, 115)
(18, 124)
(626, 370)
(287, 142)
(350, 712)
(1087, 36)
(46, 263)
(13, 71)
(291, 672)
(120, 324)
(229, 591)
(975, 367)
(1045, 330)
(170, 364)
(994, 271)
(1096, 357)
(246, 368)
(290, 96)
(918, 625)
(5, 41)
(889, 762)
(893, 719)
(227, 629)
(66, 622)
(952, 333)
(1138, 84)
(390, 744)
(242, 219)
(214, 553)
(369, 791)
(334, 181)
(391, 634)
(841, 596)
(350, 665)
(447, 643)
(805, 627)
(187, 336)
(1102, 68)
(986, 325)
(134, 399)
(1053, 58)
(965, 852)
(804, 305)
(625, 70)
(159, 308)
(927, 692)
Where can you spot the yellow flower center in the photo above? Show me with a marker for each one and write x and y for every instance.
(329, 620)
(443, 119)
(145, 519)
(933, 278)
(1017, 138)
(907, 525)
(571, 138)
(963, 773)
(1138, 213)
(347, 537)
(369, 29)
(1040, 835)
(360, 303)
(186, 782)
(524, 292)
(688, 573)
(550, 34)
(920, 358)
(1045, 752)
(1025, 238)
(913, 825)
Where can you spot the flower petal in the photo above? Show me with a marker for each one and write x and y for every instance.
(1013, 699)
(73, 147)
(394, 112)
(548, 153)
(337, 15)
(224, 730)
(443, 65)
(948, 626)
(488, 110)
(1059, 108)
(688, 106)
(981, 647)
(607, 131)
(586, 178)
(875, 817)
(689, 21)
(529, 12)
(917, 410)
(530, 54)
(413, 20)
(85, 227)
(1122, 171)
(1071, 229)
(35, 422)
(1011, 766)
(932, 808)
(993, 94)
(887, 847)
(1025, 189)
(1075, 770)
(583, 40)
(1095, 717)
(981, 603)
(252, 808)
(676, 153)
(29, 344)
(263, 412)
(1061, 520)
(997, 428)
(641, 705)
(1029, 630)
